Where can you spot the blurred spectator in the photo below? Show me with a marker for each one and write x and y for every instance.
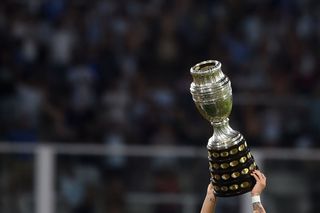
(166, 182)
(78, 186)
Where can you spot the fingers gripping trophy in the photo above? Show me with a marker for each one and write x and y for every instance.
(230, 160)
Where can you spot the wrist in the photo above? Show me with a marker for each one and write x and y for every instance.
(256, 199)
(255, 194)
(211, 197)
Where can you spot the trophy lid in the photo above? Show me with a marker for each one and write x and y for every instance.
(207, 72)
(208, 66)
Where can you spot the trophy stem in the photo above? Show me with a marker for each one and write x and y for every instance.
(220, 124)
(223, 136)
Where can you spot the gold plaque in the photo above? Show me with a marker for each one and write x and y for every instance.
(224, 188)
(243, 159)
(224, 165)
(225, 176)
(214, 154)
(224, 154)
(245, 184)
(241, 147)
(217, 177)
(234, 187)
(234, 163)
(216, 188)
(251, 167)
(216, 166)
(234, 151)
(245, 171)
(235, 174)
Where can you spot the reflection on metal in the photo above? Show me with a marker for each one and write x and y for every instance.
(224, 188)
(249, 155)
(216, 166)
(235, 174)
(216, 155)
(224, 154)
(245, 171)
(224, 165)
(234, 151)
(252, 167)
(216, 188)
(234, 187)
(244, 184)
(243, 159)
(225, 176)
(234, 163)
(217, 177)
(241, 147)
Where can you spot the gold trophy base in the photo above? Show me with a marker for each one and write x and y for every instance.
(230, 170)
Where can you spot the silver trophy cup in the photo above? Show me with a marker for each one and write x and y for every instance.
(230, 160)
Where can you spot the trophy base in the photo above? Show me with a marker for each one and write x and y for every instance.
(230, 170)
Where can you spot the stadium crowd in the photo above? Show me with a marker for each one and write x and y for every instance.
(74, 71)
(116, 72)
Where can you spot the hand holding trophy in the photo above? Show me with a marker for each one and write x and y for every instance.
(230, 160)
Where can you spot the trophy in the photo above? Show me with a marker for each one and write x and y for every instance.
(230, 160)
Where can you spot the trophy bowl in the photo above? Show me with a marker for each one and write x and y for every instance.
(230, 160)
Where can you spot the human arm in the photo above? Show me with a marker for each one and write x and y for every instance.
(209, 202)
(261, 182)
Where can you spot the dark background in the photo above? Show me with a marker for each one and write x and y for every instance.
(81, 71)
(117, 72)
